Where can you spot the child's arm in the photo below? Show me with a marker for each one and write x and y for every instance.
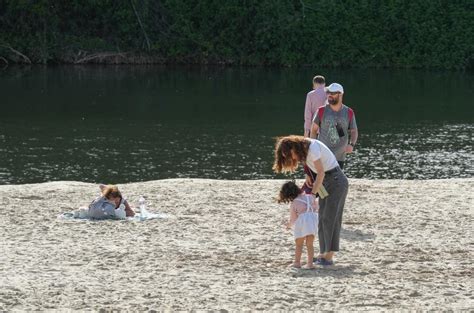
(293, 216)
(128, 210)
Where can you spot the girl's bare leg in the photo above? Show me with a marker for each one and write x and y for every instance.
(310, 250)
(299, 242)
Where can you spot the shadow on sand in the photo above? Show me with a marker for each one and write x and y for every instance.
(356, 235)
(335, 271)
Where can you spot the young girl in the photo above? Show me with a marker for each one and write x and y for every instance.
(303, 219)
(110, 205)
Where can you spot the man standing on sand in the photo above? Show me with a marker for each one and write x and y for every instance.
(335, 124)
(314, 99)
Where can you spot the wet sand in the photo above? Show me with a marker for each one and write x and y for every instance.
(405, 245)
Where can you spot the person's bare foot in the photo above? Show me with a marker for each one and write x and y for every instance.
(309, 266)
(295, 265)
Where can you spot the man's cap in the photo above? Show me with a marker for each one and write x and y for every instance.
(335, 87)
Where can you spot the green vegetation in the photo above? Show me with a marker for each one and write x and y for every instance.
(334, 33)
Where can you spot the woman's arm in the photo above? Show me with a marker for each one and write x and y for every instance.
(320, 176)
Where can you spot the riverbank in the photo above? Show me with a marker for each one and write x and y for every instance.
(405, 245)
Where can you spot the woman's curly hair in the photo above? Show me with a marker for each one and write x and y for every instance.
(284, 161)
(288, 192)
(111, 191)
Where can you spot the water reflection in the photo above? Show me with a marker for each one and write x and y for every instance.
(128, 124)
(416, 153)
(126, 156)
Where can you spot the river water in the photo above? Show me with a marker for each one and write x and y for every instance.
(118, 124)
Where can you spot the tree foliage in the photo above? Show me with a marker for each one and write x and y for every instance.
(350, 33)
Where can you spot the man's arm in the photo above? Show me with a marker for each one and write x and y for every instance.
(352, 140)
(354, 136)
(314, 131)
(308, 116)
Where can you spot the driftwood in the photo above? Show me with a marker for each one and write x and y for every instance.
(102, 55)
(24, 57)
(141, 25)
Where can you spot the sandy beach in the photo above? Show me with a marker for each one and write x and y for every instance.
(405, 245)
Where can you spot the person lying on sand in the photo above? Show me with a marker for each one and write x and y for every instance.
(303, 219)
(110, 204)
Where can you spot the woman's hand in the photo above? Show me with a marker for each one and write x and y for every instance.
(318, 165)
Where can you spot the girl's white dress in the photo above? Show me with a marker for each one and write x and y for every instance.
(307, 222)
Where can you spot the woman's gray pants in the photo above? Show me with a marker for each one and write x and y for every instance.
(330, 211)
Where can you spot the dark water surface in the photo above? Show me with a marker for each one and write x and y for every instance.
(120, 124)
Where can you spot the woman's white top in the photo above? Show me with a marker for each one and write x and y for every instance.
(319, 151)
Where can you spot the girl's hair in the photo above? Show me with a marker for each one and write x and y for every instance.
(284, 161)
(288, 192)
(111, 191)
